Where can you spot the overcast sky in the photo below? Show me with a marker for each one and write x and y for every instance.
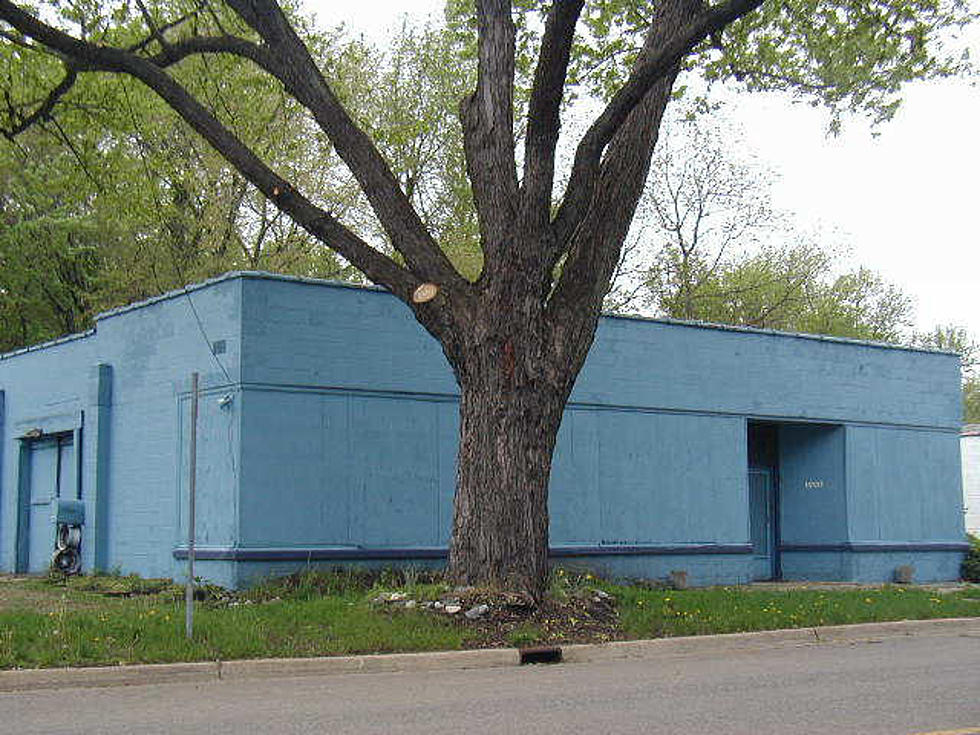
(907, 202)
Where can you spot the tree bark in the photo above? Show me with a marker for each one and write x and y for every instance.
(507, 437)
(512, 393)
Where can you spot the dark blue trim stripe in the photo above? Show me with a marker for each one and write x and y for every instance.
(561, 552)
(430, 552)
(555, 552)
(863, 547)
(321, 554)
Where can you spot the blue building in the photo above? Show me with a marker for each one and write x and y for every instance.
(328, 430)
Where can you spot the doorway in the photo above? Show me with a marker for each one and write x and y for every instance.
(763, 468)
(47, 472)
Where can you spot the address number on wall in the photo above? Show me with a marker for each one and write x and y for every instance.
(812, 484)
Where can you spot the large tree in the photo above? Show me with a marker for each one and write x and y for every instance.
(516, 336)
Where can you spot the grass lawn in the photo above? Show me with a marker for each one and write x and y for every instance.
(654, 614)
(104, 620)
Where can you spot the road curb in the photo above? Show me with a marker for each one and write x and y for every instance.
(140, 674)
(731, 642)
(373, 664)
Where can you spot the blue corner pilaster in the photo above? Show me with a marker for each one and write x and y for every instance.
(103, 409)
(23, 506)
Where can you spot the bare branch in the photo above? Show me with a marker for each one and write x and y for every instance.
(544, 107)
(660, 56)
(488, 127)
(291, 63)
(78, 156)
(43, 112)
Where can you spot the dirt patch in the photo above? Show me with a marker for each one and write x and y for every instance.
(491, 619)
(25, 593)
(584, 617)
(43, 594)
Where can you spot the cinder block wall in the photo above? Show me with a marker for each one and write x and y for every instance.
(49, 389)
(125, 385)
(350, 425)
(334, 432)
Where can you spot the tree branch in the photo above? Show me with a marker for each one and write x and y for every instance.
(487, 116)
(543, 110)
(608, 204)
(162, 29)
(43, 112)
(155, 33)
(378, 267)
(291, 63)
(659, 57)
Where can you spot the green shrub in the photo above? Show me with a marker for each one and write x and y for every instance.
(971, 564)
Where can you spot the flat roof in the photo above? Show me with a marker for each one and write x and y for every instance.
(325, 283)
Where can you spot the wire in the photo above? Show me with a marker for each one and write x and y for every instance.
(200, 325)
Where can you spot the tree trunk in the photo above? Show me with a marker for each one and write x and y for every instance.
(511, 405)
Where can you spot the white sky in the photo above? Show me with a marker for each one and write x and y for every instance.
(907, 202)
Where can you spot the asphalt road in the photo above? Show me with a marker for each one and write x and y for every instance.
(921, 684)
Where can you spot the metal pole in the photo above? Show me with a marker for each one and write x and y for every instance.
(191, 512)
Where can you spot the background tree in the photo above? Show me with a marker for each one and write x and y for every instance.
(956, 339)
(167, 210)
(517, 336)
(711, 247)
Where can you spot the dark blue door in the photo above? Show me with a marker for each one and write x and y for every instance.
(44, 485)
(762, 532)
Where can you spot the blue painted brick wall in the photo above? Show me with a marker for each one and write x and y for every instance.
(338, 429)
(152, 350)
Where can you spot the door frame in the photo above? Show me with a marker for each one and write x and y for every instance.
(59, 432)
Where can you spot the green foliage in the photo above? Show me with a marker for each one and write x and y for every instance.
(970, 571)
(312, 583)
(953, 338)
(115, 200)
(48, 260)
(156, 206)
(416, 128)
(83, 622)
(847, 56)
(971, 401)
(956, 339)
(720, 253)
(525, 635)
(565, 582)
(111, 199)
(117, 585)
(111, 619)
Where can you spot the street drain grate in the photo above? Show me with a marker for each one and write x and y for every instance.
(541, 655)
